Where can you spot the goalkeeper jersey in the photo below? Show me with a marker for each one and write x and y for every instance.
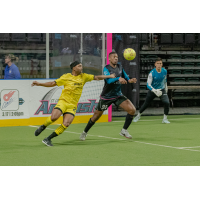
(73, 86)
(157, 80)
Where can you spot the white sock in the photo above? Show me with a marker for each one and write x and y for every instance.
(139, 114)
(165, 116)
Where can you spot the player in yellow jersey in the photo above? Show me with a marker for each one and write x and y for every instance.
(67, 104)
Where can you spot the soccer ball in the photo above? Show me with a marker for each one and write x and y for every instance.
(129, 54)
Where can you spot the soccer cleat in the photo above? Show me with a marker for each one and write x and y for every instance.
(125, 133)
(83, 136)
(39, 130)
(136, 118)
(47, 142)
(165, 121)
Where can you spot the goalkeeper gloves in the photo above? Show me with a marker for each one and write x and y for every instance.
(157, 92)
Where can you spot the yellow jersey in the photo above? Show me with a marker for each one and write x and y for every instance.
(73, 86)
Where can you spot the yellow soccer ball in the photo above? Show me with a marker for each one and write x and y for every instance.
(129, 54)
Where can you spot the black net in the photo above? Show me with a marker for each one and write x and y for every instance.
(120, 43)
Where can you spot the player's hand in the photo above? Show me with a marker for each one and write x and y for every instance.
(157, 92)
(122, 80)
(35, 83)
(113, 75)
(133, 80)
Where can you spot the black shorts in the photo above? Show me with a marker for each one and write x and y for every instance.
(104, 104)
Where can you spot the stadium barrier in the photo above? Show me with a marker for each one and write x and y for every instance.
(23, 105)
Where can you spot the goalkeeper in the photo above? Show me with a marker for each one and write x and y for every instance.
(157, 85)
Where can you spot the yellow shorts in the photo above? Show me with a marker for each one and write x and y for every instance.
(66, 108)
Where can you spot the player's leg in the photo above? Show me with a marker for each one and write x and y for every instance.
(91, 122)
(102, 105)
(67, 120)
(56, 113)
(126, 104)
(165, 99)
(150, 96)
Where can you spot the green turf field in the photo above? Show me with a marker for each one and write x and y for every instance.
(153, 144)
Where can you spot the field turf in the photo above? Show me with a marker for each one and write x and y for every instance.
(153, 144)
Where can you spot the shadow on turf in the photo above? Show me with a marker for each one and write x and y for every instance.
(88, 142)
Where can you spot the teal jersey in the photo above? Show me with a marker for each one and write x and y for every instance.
(157, 80)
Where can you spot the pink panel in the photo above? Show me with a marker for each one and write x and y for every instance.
(109, 49)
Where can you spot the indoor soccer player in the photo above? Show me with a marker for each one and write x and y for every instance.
(112, 94)
(157, 85)
(67, 104)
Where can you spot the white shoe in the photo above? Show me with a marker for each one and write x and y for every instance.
(83, 136)
(136, 118)
(165, 121)
(125, 133)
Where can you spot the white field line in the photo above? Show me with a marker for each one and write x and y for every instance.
(189, 147)
(161, 119)
(181, 148)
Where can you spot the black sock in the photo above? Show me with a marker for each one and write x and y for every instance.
(43, 126)
(89, 125)
(128, 121)
(52, 136)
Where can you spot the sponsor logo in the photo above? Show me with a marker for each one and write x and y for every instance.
(77, 83)
(83, 107)
(57, 35)
(118, 37)
(66, 50)
(87, 107)
(89, 37)
(73, 36)
(133, 63)
(45, 107)
(57, 63)
(132, 36)
(117, 82)
(10, 100)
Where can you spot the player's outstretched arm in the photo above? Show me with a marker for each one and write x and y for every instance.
(101, 77)
(47, 84)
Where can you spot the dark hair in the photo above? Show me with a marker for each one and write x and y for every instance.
(74, 64)
(112, 53)
(158, 59)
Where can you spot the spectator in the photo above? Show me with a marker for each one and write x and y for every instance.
(11, 70)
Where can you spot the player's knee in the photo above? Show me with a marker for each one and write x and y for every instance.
(95, 118)
(54, 118)
(132, 111)
(66, 123)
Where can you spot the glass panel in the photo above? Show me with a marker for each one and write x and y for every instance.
(63, 50)
(66, 48)
(29, 48)
(92, 48)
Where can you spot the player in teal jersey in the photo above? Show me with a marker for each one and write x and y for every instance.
(157, 85)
